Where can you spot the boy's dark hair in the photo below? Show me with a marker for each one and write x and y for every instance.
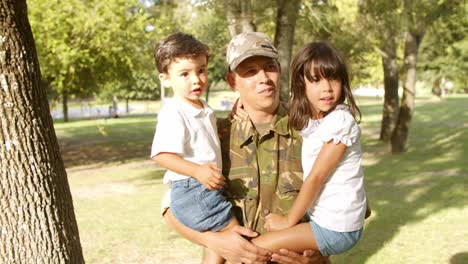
(176, 46)
(324, 61)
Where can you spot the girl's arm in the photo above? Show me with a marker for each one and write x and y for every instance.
(328, 159)
(208, 174)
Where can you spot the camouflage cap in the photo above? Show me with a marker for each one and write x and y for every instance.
(249, 44)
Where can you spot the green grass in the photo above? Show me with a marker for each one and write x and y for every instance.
(418, 199)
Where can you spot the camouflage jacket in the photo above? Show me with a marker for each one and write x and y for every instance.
(263, 173)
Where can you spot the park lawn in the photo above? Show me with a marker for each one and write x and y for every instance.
(418, 199)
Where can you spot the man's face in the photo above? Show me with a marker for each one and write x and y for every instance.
(188, 78)
(257, 80)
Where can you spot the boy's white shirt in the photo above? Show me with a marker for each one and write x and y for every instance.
(189, 132)
(341, 205)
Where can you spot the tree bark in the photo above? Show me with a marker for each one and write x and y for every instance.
(65, 106)
(37, 221)
(400, 134)
(239, 15)
(284, 39)
(391, 78)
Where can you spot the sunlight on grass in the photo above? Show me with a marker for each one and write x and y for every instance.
(419, 200)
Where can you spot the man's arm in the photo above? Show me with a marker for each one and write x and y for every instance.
(229, 243)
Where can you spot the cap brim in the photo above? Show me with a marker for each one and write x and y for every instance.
(252, 53)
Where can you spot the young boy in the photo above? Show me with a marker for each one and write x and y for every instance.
(186, 141)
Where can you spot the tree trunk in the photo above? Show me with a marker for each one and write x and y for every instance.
(239, 14)
(37, 221)
(284, 39)
(390, 107)
(65, 105)
(400, 134)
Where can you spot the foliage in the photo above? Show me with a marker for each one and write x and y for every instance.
(444, 51)
(91, 47)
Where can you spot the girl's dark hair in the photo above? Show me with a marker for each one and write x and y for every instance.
(325, 62)
(176, 46)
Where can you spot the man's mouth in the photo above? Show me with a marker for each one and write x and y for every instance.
(267, 91)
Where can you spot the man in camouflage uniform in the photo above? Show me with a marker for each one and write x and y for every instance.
(261, 154)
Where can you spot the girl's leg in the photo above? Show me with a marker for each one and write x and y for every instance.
(297, 238)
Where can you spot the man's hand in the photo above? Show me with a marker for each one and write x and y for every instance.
(276, 222)
(308, 257)
(234, 248)
(209, 175)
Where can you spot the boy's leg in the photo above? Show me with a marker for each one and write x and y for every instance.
(297, 238)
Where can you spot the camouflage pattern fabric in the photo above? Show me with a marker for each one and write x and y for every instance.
(263, 173)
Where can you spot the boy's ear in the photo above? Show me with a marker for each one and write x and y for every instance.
(164, 78)
(231, 80)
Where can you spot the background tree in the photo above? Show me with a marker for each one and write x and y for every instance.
(419, 16)
(444, 53)
(88, 46)
(287, 11)
(37, 220)
(384, 22)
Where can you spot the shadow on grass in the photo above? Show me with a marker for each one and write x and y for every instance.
(459, 258)
(407, 188)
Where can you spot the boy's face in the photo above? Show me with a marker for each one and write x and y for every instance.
(188, 78)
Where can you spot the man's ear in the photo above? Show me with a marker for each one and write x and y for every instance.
(164, 78)
(231, 80)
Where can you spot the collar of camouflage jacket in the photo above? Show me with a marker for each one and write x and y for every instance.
(279, 126)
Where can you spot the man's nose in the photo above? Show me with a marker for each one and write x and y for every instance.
(262, 75)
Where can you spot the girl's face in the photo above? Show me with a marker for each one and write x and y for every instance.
(322, 94)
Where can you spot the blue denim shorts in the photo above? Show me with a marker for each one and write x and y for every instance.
(199, 208)
(331, 242)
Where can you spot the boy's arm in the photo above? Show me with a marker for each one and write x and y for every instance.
(228, 243)
(208, 174)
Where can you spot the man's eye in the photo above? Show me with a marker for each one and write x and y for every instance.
(271, 67)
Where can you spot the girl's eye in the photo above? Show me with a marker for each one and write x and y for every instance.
(201, 71)
(184, 74)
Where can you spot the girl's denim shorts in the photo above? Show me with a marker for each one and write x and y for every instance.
(331, 242)
(199, 208)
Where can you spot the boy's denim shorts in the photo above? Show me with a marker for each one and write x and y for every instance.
(199, 208)
(331, 242)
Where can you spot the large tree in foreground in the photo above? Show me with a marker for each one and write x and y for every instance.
(37, 222)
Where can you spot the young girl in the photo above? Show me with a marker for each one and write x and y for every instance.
(322, 107)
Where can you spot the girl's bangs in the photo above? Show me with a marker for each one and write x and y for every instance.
(324, 67)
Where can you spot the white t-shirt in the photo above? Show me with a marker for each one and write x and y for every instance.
(341, 205)
(189, 132)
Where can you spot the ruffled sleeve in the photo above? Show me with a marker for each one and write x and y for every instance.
(339, 126)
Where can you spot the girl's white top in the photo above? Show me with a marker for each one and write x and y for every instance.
(341, 205)
(189, 132)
